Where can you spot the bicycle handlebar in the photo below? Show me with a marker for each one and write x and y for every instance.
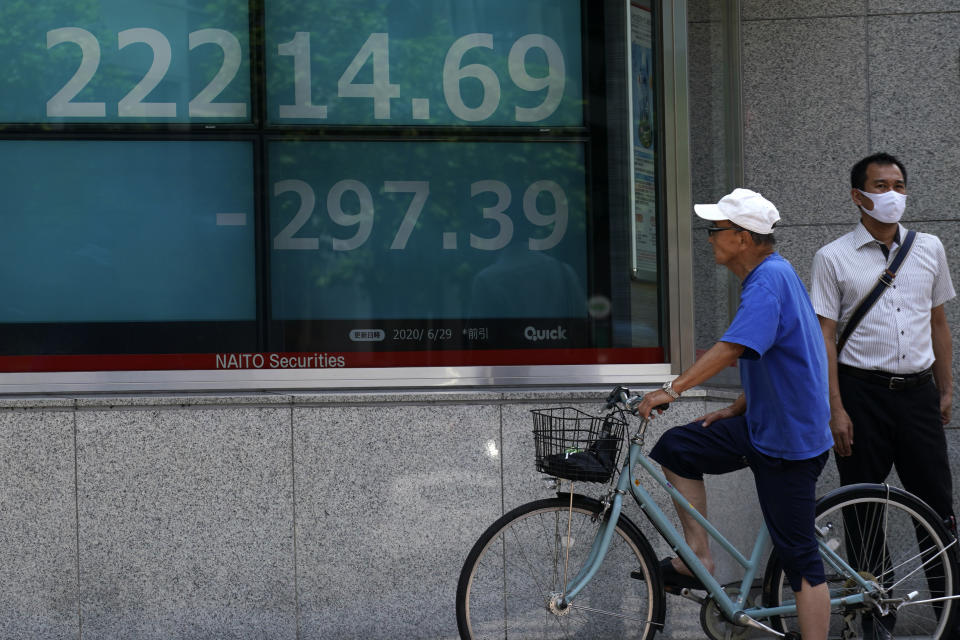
(621, 396)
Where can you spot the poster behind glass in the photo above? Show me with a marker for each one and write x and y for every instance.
(644, 138)
(645, 286)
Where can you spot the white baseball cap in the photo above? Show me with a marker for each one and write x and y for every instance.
(744, 208)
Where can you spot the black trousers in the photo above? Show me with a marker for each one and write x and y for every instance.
(899, 429)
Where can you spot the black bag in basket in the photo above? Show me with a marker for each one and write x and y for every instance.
(595, 464)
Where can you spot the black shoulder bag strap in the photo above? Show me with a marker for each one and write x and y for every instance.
(886, 279)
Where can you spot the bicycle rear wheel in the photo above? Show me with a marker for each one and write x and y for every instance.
(518, 563)
(893, 538)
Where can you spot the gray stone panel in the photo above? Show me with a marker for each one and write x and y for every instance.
(713, 285)
(805, 113)
(953, 444)
(707, 107)
(914, 86)
(38, 546)
(798, 244)
(197, 400)
(708, 175)
(186, 523)
(912, 6)
(703, 11)
(521, 481)
(949, 234)
(389, 501)
(784, 9)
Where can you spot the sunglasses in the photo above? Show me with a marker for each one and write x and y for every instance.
(713, 230)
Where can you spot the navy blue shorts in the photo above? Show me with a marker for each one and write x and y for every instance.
(787, 489)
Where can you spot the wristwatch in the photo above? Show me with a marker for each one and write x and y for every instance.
(668, 387)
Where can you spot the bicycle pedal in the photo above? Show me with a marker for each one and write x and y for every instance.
(636, 574)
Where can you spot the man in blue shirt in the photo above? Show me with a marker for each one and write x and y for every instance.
(779, 426)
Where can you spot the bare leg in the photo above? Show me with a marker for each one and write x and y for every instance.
(696, 536)
(813, 610)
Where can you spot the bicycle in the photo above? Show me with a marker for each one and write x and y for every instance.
(574, 566)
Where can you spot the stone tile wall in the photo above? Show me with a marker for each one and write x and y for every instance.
(273, 516)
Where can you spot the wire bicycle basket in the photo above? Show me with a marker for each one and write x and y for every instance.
(574, 445)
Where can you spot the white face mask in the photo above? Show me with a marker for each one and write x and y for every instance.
(887, 206)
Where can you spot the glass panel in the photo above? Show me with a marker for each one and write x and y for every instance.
(124, 61)
(173, 241)
(434, 245)
(424, 62)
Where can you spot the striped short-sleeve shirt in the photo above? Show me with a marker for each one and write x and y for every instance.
(894, 336)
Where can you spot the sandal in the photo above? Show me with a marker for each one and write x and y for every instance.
(676, 580)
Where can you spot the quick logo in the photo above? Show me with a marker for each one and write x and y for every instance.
(533, 334)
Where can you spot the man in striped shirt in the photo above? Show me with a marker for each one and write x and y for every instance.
(891, 384)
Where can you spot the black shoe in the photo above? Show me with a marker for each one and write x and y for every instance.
(878, 627)
(673, 580)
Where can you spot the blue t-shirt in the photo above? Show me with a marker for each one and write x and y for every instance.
(784, 366)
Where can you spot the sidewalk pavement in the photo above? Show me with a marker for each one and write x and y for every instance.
(682, 621)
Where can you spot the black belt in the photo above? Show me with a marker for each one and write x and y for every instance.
(889, 380)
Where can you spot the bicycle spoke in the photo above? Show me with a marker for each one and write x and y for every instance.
(894, 540)
(509, 585)
(940, 554)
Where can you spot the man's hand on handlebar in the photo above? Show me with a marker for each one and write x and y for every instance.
(621, 396)
(658, 401)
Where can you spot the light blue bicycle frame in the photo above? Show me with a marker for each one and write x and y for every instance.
(730, 607)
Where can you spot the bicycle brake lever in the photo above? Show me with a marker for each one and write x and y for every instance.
(619, 396)
(616, 396)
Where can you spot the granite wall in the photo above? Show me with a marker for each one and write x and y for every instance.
(825, 83)
(267, 515)
(281, 516)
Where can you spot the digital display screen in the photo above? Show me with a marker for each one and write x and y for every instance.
(337, 62)
(128, 231)
(304, 184)
(125, 61)
(424, 62)
(377, 233)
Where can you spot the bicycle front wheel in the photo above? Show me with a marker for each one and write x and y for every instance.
(894, 539)
(519, 563)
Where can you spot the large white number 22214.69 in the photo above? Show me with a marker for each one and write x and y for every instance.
(376, 49)
(63, 105)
